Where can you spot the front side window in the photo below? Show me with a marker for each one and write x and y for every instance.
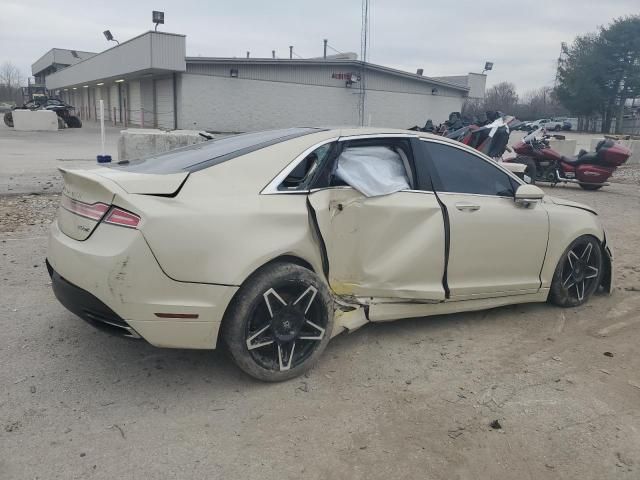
(457, 171)
(373, 166)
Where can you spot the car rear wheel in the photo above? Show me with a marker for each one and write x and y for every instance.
(74, 122)
(8, 119)
(578, 273)
(279, 322)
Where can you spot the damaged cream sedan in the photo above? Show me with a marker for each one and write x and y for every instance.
(271, 243)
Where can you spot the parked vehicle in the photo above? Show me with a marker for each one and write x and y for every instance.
(271, 243)
(523, 126)
(547, 124)
(63, 110)
(590, 170)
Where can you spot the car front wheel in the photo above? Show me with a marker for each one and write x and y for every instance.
(578, 273)
(279, 322)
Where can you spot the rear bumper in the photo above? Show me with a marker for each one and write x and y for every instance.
(88, 307)
(113, 281)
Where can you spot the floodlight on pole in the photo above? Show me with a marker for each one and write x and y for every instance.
(109, 37)
(157, 18)
(487, 66)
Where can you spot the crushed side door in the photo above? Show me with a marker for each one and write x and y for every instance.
(390, 246)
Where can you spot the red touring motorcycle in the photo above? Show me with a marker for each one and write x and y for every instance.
(590, 170)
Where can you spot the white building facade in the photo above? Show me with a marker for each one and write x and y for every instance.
(149, 81)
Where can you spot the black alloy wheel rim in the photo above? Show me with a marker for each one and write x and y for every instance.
(580, 270)
(286, 326)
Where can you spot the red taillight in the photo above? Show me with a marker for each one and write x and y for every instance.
(93, 211)
(122, 218)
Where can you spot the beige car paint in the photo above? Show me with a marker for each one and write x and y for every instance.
(489, 238)
(192, 252)
(144, 183)
(116, 265)
(388, 246)
(565, 225)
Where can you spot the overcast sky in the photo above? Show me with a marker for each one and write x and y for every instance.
(444, 37)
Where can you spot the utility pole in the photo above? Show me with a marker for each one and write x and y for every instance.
(364, 40)
(291, 52)
(325, 48)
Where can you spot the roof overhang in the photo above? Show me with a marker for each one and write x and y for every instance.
(151, 52)
(356, 64)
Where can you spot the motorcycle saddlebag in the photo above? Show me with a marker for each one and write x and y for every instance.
(611, 153)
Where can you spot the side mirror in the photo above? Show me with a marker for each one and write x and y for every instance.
(527, 194)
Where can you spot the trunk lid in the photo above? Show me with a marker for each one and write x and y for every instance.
(145, 183)
(88, 194)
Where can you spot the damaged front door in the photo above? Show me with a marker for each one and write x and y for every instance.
(390, 246)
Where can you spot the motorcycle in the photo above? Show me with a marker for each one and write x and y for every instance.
(62, 110)
(489, 135)
(590, 170)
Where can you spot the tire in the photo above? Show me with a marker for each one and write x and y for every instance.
(578, 273)
(258, 318)
(61, 124)
(590, 187)
(557, 128)
(74, 122)
(8, 119)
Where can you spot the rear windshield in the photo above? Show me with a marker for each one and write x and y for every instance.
(206, 154)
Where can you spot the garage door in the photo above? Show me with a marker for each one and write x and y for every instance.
(115, 103)
(135, 103)
(164, 103)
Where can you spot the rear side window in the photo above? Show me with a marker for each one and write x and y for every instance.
(206, 154)
(457, 171)
(302, 174)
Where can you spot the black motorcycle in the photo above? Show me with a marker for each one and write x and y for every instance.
(63, 110)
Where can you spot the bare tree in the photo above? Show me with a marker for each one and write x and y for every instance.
(10, 80)
(502, 97)
(10, 75)
(540, 103)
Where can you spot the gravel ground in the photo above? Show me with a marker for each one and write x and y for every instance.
(526, 391)
(18, 212)
(627, 174)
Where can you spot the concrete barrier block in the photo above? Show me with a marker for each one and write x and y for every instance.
(35, 120)
(633, 145)
(141, 142)
(565, 147)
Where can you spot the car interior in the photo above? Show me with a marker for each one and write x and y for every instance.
(319, 169)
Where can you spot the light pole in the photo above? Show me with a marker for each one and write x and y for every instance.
(109, 37)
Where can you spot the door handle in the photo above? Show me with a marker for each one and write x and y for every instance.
(467, 207)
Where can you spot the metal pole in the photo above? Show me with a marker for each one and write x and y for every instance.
(102, 124)
(248, 52)
(325, 48)
(273, 54)
(291, 51)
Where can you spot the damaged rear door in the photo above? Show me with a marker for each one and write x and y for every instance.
(389, 246)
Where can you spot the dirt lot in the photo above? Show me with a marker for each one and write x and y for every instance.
(404, 400)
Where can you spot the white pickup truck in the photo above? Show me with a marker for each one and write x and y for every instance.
(547, 123)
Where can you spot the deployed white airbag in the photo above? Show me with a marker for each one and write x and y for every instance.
(373, 171)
